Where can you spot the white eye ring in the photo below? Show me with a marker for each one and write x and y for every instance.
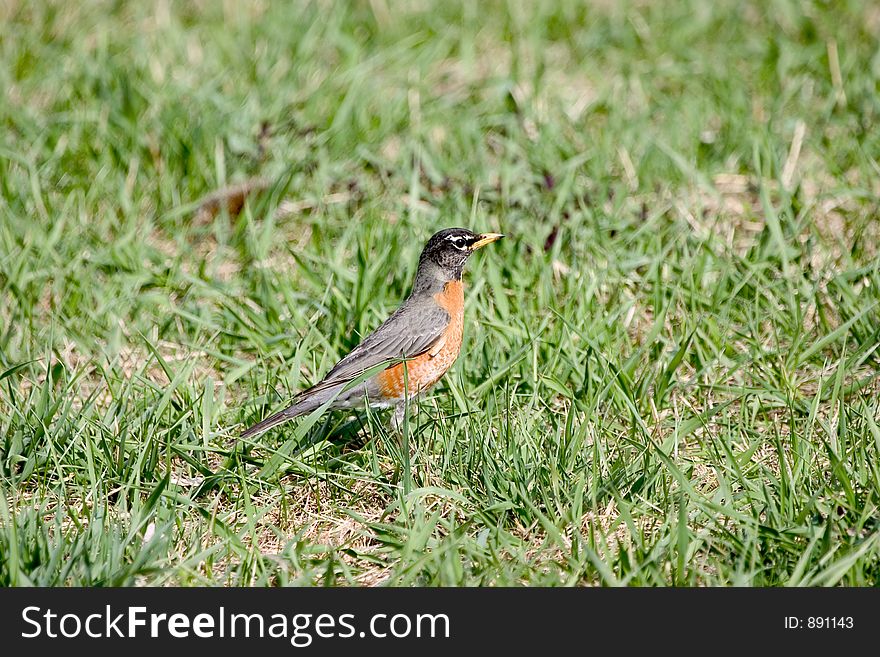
(458, 242)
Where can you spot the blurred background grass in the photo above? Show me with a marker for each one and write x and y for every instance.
(670, 369)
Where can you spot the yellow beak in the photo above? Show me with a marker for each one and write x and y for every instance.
(485, 238)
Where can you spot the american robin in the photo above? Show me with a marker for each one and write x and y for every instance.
(419, 341)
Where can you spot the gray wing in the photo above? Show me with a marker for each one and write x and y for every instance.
(410, 331)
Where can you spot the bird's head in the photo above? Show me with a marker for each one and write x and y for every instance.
(447, 251)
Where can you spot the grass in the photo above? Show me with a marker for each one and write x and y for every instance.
(670, 370)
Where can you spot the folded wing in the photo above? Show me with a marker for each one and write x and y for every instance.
(410, 331)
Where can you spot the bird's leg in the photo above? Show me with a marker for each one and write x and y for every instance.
(398, 417)
(396, 421)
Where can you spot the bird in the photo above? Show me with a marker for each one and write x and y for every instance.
(418, 342)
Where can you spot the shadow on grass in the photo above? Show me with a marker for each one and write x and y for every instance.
(333, 438)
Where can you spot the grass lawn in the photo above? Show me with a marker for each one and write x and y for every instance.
(670, 372)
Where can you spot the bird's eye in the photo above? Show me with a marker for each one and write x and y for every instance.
(458, 241)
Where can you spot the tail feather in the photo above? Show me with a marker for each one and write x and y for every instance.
(282, 416)
(305, 402)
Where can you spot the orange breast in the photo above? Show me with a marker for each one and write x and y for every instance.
(420, 373)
